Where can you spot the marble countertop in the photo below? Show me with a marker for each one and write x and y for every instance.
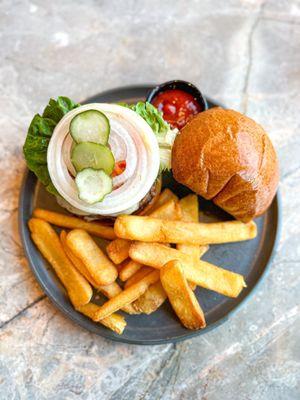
(244, 53)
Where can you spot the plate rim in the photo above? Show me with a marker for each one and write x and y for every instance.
(23, 231)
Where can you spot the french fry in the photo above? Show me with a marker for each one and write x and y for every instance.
(155, 296)
(111, 290)
(151, 300)
(47, 241)
(101, 269)
(78, 264)
(66, 221)
(117, 250)
(149, 229)
(190, 213)
(192, 285)
(189, 208)
(200, 272)
(138, 276)
(169, 210)
(115, 322)
(129, 269)
(120, 266)
(193, 250)
(165, 196)
(126, 297)
(181, 296)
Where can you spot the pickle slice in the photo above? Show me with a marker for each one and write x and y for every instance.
(92, 155)
(90, 126)
(93, 185)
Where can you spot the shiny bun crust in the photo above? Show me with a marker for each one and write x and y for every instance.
(228, 158)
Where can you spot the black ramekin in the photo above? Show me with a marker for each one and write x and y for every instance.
(181, 85)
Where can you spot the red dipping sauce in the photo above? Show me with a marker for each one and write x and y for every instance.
(177, 106)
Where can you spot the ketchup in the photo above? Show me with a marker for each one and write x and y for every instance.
(177, 106)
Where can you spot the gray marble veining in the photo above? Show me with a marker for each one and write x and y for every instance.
(245, 53)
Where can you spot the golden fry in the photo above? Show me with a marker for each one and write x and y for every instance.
(113, 290)
(78, 264)
(190, 208)
(109, 291)
(155, 295)
(129, 269)
(190, 213)
(47, 241)
(66, 221)
(193, 250)
(192, 285)
(118, 249)
(181, 296)
(138, 276)
(151, 300)
(169, 210)
(115, 322)
(149, 229)
(165, 196)
(127, 296)
(101, 269)
(202, 273)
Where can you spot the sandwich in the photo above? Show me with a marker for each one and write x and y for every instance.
(100, 160)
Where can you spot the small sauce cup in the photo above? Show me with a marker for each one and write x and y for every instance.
(178, 100)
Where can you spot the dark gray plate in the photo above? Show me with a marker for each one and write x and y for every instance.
(248, 258)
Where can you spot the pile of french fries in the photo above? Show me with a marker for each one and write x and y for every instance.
(148, 260)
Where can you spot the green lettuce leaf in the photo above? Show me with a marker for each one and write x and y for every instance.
(165, 135)
(151, 115)
(38, 137)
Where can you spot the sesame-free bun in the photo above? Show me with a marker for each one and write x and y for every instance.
(228, 158)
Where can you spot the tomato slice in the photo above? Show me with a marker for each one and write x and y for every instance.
(120, 167)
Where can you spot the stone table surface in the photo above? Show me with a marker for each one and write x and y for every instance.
(244, 53)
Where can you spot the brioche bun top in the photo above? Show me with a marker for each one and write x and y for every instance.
(228, 158)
